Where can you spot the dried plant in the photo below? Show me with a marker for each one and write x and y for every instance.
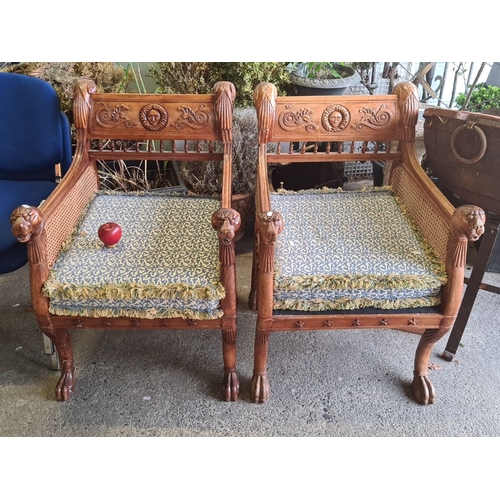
(206, 177)
(125, 177)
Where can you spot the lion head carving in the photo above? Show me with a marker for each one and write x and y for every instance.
(270, 225)
(468, 222)
(226, 222)
(26, 222)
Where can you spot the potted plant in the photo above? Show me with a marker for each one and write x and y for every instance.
(322, 78)
(481, 99)
(315, 78)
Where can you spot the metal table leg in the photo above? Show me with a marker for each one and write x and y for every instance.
(50, 350)
(474, 283)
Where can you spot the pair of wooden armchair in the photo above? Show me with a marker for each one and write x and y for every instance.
(324, 259)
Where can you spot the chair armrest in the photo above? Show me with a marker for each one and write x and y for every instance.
(65, 206)
(426, 205)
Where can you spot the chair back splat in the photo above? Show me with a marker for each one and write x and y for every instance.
(388, 257)
(174, 266)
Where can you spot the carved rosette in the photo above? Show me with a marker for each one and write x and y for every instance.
(335, 118)
(108, 118)
(81, 101)
(264, 97)
(224, 96)
(153, 117)
(376, 120)
(467, 224)
(268, 225)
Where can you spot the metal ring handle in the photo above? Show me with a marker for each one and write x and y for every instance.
(482, 138)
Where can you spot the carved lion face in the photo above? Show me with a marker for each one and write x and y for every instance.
(272, 225)
(470, 221)
(226, 222)
(25, 220)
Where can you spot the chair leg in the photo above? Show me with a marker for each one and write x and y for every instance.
(231, 383)
(423, 390)
(50, 350)
(259, 385)
(66, 384)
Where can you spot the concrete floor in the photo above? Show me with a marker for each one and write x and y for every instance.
(151, 383)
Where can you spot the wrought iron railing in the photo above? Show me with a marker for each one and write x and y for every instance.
(439, 83)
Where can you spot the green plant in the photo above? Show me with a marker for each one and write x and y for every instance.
(200, 77)
(317, 70)
(481, 98)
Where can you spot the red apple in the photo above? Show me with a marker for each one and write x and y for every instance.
(110, 233)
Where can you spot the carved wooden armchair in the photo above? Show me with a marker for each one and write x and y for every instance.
(174, 267)
(390, 257)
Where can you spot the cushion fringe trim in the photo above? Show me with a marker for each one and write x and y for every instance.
(347, 304)
(55, 290)
(357, 282)
(139, 314)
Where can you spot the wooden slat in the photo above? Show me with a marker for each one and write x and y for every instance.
(322, 157)
(347, 321)
(155, 155)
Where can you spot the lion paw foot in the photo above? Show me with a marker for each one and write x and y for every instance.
(230, 386)
(259, 388)
(66, 385)
(423, 390)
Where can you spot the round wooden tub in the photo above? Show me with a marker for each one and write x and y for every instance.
(463, 150)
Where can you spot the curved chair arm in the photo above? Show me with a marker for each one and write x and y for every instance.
(467, 225)
(28, 226)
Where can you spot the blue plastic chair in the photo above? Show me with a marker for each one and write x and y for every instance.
(34, 138)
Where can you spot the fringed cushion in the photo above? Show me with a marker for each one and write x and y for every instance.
(350, 250)
(165, 265)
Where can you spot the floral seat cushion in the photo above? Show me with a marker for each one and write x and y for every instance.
(165, 265)
(350, 250)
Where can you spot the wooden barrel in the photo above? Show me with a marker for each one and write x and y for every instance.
(463, 151)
